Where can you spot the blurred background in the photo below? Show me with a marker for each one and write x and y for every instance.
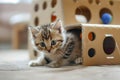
(14, 19)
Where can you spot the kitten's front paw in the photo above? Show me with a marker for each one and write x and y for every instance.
(54, 65)
(34, 63)
(79, 60)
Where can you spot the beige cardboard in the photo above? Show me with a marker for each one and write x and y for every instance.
(101, 31)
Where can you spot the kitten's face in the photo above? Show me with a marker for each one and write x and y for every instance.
(48, 38)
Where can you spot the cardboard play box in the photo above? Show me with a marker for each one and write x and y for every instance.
(47, 11)
(100, 43)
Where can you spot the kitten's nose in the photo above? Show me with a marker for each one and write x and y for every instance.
(49, 51)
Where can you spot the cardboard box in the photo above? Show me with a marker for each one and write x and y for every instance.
(100, 43)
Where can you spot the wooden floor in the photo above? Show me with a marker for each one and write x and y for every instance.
(14, 66)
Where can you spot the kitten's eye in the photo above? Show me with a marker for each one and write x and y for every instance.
(42, 44)
(53, 42)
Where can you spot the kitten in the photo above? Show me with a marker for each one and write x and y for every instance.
(55, 46)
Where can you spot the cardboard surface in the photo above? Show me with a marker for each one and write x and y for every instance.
(101, 32)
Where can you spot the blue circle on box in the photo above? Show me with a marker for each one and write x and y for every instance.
(106, 18)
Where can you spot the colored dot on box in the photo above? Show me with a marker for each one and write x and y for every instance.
(91, 36)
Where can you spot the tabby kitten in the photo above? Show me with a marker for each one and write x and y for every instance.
(55, 46)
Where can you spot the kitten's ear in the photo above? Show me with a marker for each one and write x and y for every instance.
(58, 25)
(33, 30)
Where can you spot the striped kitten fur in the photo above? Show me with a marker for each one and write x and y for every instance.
(55, 46)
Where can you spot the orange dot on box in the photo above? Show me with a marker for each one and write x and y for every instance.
(91, 36)
(53, 18)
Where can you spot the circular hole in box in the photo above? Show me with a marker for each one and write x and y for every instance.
(53, 3)
(36, 7)
(44, 5)
(111, 3)
(90, 1)
(109, 45)
(98, 2)
(105, 10)
(91, 52)
(91, 36)
(53, 17)
(106, 15)
(82, 14)
(36, 21)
